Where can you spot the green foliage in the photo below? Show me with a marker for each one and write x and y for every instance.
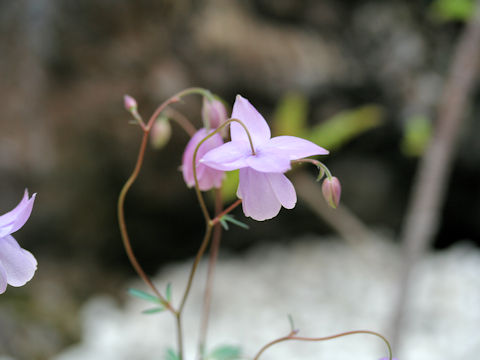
(416, 135)
(168, 292)
(144, 296)
(291, 115)
(345, 126)
(452, 10)
(229, 186)
(153, 310)
(171, 355)
(225, 219)
(224, 352)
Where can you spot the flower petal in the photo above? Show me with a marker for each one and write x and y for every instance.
(268, 162)
(19, 264)
(283, 189)
(259, 200)
(3, 279)
(229, 156)
(16, 218)
(293, 147)
(207, 177)
(255, 123)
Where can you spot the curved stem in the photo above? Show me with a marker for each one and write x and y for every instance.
(181, 120)
(292, 336)
(123, 226)
(320, 166)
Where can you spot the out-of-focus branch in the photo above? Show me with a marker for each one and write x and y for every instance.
(429, 188)
(340, 219)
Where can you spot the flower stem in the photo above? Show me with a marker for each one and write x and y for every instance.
(214, 248)
(217, 218)
(121, 206)
(292, 336)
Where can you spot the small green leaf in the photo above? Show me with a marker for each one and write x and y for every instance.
(229, 186)
(416, 135)
(290, 115)
(153, 310)
(290, 320)
(144, 296)
(168, 292)
(225, 352)
(224, 224)
(171, 355)
(346, 125)
(452, 10)
(231, 219)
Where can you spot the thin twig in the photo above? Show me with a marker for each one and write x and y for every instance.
(429, 189)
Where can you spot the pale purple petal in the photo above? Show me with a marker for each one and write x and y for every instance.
(16, 218)
(3, 279)
(19, 264)
(268, 162)
(252, 119)
(207, 177)
(293, 147)
(258, 199)
(283, 189)
(229, 156)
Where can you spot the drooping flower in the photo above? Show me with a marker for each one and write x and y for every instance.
(17, 266)
(207, 177)
(263, 187)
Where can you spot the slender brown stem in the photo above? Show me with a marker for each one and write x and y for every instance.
(200, 253)
(123, 226)
(121, 202)
(214, 248)
(292, 336)
(217, 218)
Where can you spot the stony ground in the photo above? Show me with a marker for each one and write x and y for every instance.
(327, 286)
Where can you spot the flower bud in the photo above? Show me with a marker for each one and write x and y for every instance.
(207, 177)
(331, 190)
(130, 103)
(213, 113)
(160, 133)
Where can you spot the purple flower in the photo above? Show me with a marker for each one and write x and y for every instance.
(263, 187)
(207, 177)
(17, 265)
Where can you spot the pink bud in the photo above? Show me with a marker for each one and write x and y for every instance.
(130, 103)
(331, 190)
(160, 133)
(213, 113)
(207, 177)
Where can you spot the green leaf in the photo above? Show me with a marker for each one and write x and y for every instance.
(171, 355)
(225, 352)
(224, 224)
(291, 115)
(144, 296)
(229, 186)
(344, 126)
(168, 292)
(452, 10)
(230, 218)
(416, 135)
(153, 310)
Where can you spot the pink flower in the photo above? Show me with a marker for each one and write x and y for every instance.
(213, 113)
(263, 187)
(17, 265)
(207, 177)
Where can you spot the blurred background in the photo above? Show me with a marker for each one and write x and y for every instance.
(363, 78)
